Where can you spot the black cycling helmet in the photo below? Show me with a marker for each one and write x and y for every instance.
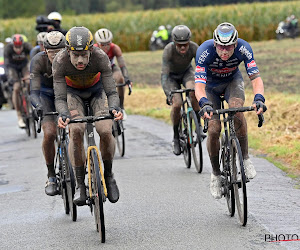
(54, 40)
(181, 34)
(225, 34)
(79, 39)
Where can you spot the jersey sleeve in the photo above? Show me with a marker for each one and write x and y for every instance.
(246, 54)
(201, 61)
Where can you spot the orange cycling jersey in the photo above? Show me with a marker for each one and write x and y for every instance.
(82, 81)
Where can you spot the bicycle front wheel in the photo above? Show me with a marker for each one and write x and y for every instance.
(119, 137)
(70, 184)
(184, 145)
(239, 180)
(195, 141)
(226, 174)
(98, 195)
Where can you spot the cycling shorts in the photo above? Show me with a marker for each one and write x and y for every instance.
(230, 89)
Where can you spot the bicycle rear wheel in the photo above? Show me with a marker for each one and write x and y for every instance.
(227, 180)
(196, 145)
(185, 146)
(119, 136)
(70, 184)
(98, 195)
(239, 181)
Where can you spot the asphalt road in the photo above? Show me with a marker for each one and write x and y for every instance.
(162, 205)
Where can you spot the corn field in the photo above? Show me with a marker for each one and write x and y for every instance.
(132, 30)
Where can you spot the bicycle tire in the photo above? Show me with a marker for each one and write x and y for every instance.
(98, 195)
(196, 145)
(70, 185)
(239, 181)
(61, 181)
(185, 146)
(228, 189)
(119, 137)
(32, 125)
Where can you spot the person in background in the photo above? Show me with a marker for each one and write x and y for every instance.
(40, 44)
(178, 71)
(16, 62)
(104, 38)
(56, 19)
(42, 98)
(163, 34)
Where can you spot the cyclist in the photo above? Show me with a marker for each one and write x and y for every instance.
(16, 61)
(176, 70)
(55, 20)
(42, 98)
(216, 73)
(40, 44)
(83, 72)
(104, 38)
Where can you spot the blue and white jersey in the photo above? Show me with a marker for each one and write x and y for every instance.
(210, 67)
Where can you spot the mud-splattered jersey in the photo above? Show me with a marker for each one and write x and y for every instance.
(210, 67)
(95, 76)
(41, 78)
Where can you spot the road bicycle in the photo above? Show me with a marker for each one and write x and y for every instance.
(190, 135)
(231, 163)
(118, 127)
(26, 107)
(96, 182)
(63, 168)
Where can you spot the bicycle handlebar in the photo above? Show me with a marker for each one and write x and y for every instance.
(124, 84)
(39, 122)
(233, 111)
(178, 91)
(91, 119)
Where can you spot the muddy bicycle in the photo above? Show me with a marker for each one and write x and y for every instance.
(231, 163)
(190, 136)
(118, 127)
(63, 168)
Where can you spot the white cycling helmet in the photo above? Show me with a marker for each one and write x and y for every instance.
(40, 37)
(55, 16)
(225, 34)
(161, 27)
(103, 36)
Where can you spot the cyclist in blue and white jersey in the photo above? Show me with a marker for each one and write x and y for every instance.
(217, 73)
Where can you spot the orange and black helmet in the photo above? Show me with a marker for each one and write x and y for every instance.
(79, 39)
(17, 40)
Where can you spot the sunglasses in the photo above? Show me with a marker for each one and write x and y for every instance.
(225, 47)
(182, 45)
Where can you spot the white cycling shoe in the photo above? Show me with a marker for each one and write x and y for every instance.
(216, 186)
(249, 169)
(21, 123)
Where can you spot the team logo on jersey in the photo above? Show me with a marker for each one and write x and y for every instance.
(251, 64)
(224, 70)
(200, 69)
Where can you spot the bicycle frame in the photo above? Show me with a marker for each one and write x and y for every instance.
(91, 146)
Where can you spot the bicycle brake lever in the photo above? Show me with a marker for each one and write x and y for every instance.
(261, 120)
(39, 125)
(205, 128)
